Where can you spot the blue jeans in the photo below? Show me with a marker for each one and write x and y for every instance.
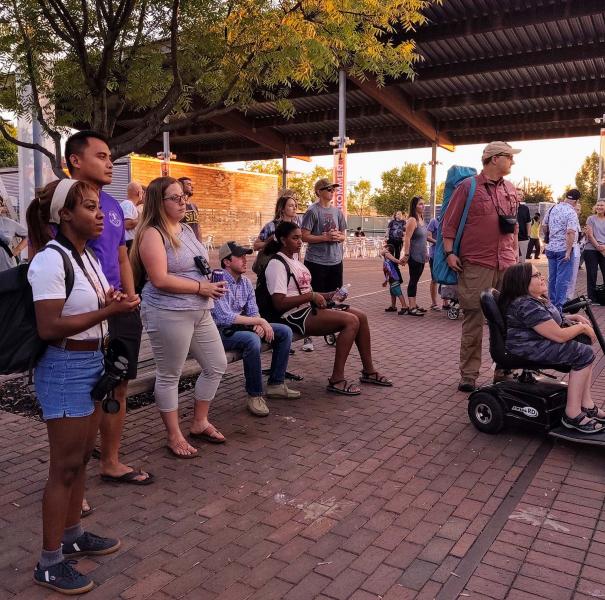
(560, 272)
(249, 344)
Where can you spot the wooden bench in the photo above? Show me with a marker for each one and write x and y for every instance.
(145, 380)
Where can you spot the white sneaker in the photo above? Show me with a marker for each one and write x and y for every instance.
(281, 390)
(257, 406)
(308, 345)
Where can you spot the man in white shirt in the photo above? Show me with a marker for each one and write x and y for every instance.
(134, 193)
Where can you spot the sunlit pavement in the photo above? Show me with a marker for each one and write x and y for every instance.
(392, 494)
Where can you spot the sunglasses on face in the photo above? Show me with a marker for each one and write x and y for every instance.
(537, 275)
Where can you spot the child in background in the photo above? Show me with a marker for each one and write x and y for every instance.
(393, 279)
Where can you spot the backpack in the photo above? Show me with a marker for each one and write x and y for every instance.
(455, 176)
(20, 344)
(263, 298)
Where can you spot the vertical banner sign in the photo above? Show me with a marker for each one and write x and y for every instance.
(601, 184)
(340, 177)
(165, 168)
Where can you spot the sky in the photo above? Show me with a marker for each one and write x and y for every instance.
(554, 162)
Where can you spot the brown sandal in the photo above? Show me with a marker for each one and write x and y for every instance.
(375, 378)
(345, 390)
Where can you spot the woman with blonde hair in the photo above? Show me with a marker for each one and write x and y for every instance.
(177, 297)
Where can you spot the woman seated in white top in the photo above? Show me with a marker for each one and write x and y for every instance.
(72, 321)
(308, 313)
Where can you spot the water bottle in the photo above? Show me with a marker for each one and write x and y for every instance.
(342, 294)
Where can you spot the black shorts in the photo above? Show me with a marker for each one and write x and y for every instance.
(325, 278)
(127, 327)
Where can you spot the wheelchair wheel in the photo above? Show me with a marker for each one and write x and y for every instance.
(330, 339)
(486, 412)
(452, 313)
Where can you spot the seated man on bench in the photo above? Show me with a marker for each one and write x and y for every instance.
(242, 328)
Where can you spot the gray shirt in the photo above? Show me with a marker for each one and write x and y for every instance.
(180, 263)
(598, 231)
(319, 220)
(418, 249)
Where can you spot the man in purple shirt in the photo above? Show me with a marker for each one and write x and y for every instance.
(242, 328)
(88, 159)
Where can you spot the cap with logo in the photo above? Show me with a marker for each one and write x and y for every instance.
(495, 148)
(572, 194)
(325, 184)
(232, 249)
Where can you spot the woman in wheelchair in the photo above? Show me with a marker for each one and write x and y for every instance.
(536, 331)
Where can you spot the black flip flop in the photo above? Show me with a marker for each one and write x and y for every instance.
(129, 477)
(205, 437)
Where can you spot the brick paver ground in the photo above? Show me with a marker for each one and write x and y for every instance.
(391, 494)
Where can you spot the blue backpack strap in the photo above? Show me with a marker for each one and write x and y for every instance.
(469, 199)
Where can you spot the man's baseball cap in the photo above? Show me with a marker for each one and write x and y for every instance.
(573, 195)
(325, 184)
(232, 249)
(495, 148)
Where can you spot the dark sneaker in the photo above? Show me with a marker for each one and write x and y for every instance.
(465, 385)
(90, 544)
(63, 578)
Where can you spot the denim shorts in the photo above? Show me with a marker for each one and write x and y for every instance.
(64, 380)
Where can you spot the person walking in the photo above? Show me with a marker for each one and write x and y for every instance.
(177, 300)
(488, 247)
(73, 325)
(594, 250)
(534, 237)
(323, 229)
(431, 230)
(242, 328)
(415, 252)
(524, 223)
(395, 231)
(563, 227)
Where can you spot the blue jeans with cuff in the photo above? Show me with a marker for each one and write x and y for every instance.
(560, 272)
(249, 344)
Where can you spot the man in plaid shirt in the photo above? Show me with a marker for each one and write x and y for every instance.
(242, 328)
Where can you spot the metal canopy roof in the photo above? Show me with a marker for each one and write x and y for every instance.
(514, 70)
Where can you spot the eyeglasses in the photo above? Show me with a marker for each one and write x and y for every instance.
(177, 198)
(537, 275)
(509, 156)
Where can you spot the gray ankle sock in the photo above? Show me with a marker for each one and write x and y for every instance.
(71, 534)
(48, 558)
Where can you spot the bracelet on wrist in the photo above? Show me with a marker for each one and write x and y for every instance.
(199, 287)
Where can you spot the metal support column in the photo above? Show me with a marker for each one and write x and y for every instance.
(166, 157)
(433, 164)
(342, 109)
(38, 156)
(284, 171)
(340, 144)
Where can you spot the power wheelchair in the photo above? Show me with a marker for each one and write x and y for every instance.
(533, 398)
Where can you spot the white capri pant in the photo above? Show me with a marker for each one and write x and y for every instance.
(173, 333)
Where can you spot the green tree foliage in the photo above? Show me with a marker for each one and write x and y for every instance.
(439, 193)
(269, 167)
(359, 198)
(587, 179)
(399, 186)
(302, 184)
(107, 61)
(8, 150)
(536, 191)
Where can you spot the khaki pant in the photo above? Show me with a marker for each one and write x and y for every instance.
(471, 282)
